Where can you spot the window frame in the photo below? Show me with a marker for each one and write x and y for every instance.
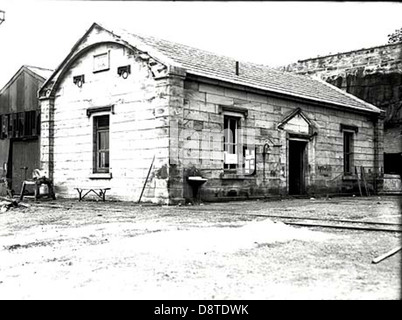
(96, 168)
(2, 136)
(231, 140)
(348, 151)
(20, 125)
(239, 117)
(96, 68)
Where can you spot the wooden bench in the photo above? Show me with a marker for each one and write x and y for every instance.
(100, 192)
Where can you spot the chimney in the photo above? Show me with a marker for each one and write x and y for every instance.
(237, 68)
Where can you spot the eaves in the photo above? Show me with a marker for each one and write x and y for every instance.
(232, 84)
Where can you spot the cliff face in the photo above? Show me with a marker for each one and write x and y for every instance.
(373, 74)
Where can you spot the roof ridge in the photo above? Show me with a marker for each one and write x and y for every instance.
(26, 68)
(121, 32)
(143, 37)
(222, 67)
(41, 68)
(260, 65)
(264, 68)
(218, 55)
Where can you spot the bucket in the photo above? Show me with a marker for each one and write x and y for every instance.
(43, 189)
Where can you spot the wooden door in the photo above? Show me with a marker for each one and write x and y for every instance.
(297, 164)
(25, 159)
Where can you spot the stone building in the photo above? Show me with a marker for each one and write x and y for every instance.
(20, 126)
(375, 76)
(120, 104)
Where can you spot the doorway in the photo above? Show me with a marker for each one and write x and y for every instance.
(25, 159)
(297, 165)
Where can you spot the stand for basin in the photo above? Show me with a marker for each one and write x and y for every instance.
(195, 183)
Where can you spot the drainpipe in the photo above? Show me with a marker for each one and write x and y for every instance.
(265, 151)
(378, 128)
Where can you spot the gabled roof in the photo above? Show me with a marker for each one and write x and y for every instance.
(213, 66)
(40, 73)
(292, 114)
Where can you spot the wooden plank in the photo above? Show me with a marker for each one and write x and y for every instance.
(386, 255)
(21, 93)
(14, 202)
(146, 180)
(364, 180)
(358, 182)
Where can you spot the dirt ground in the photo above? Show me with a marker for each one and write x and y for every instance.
(66, 249)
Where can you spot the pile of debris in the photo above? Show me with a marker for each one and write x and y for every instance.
(8, 204)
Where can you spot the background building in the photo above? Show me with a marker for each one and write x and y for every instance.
(20, 126)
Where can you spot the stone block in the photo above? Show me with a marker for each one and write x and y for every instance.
(176, 194)
(219, 99)
(195, 95)
(192, 85)
(194, 115)
(205, 144)
(197, 105)
(206, 155)
(213, 89)
(215, 118)
(175, 91)
(191, 144)
(209, 107)
(217, 155)
(256, 97)
(237, 94)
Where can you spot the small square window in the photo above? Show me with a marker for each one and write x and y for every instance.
(101, 62)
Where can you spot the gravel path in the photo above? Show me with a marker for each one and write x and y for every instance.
(93, 250)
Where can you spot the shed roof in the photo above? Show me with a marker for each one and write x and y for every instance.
(40, 73)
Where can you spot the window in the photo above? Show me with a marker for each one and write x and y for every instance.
(101, 62)
(3, 135)
(14, 125)
(7, 126)
(101, 144)
(393, 163)
(231, 139)
(20, 125)
(348, 152)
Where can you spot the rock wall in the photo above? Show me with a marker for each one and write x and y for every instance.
(373, 74)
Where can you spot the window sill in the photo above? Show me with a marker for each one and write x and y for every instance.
(349, 177)
(391, 176)
(101, 70)
(234, 176)
(100, 176)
